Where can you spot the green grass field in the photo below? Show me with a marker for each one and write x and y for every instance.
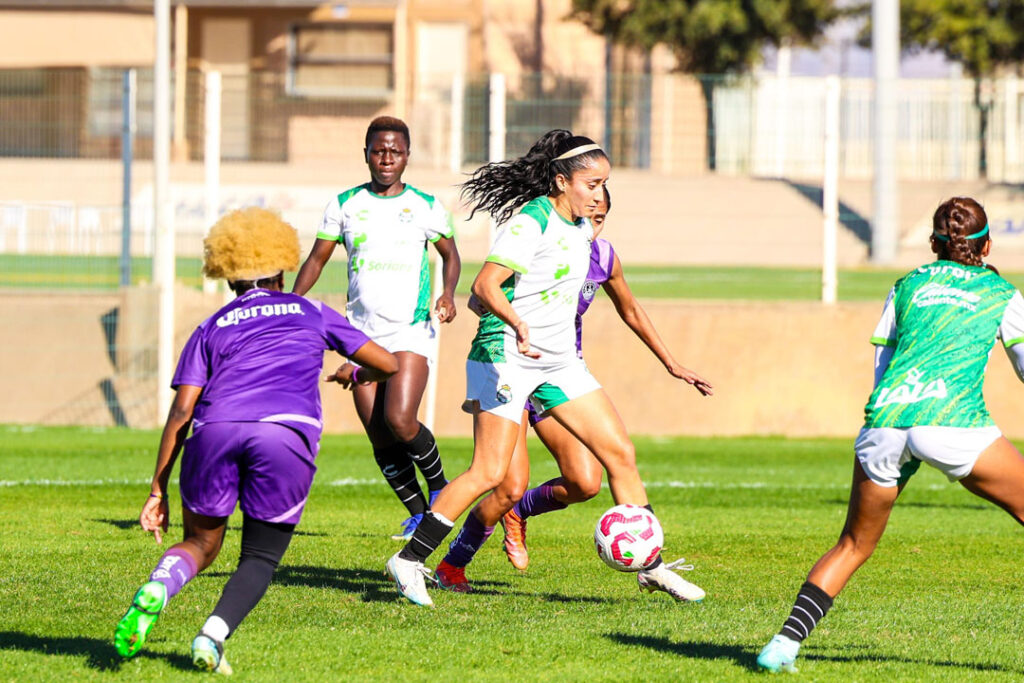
(96, 273)
(940, 600)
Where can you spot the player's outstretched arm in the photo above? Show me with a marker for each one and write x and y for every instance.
(154, 515)
(444, 307)
(375, 364)
(310, 271)
(634, 315)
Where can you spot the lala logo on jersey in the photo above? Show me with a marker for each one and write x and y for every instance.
(589, 290)
(935, 294)
(913, 390)
(504, 393)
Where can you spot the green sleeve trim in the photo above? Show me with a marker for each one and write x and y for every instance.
(882, 341)
(351, 192)
(1011, 342)
(428, 198)
(451, 228)
(508, 263)
(330, 238)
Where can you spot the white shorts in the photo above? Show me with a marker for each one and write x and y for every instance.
(891, 455)
(503, 388)
(418, 338)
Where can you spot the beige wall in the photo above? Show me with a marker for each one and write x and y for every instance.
(76, 38)
(794, 369)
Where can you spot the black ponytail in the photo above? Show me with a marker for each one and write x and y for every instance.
(501, 187)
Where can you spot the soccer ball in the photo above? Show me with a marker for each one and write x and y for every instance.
(628, 538)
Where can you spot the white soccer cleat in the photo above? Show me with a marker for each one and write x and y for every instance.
(662, 578)
(409, 579)
(208, 655)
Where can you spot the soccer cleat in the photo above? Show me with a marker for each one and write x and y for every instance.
(779, 655)
(515, 540)
(408, 576)
(452, 578)
(408, 527)
(208, 655)
(434, 494)
(130, 633)
(662, 578)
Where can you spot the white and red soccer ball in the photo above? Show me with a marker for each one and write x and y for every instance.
(628, 538)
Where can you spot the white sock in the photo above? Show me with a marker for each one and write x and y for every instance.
(216, 628)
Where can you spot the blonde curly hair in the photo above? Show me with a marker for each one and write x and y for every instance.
(250, 244)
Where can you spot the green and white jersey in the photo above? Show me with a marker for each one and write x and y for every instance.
(550, 256)
(386, 240)
(942, 320)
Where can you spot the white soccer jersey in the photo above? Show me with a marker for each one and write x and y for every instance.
(551, 257)
(386, 240)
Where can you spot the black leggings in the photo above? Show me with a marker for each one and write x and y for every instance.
(263, 546)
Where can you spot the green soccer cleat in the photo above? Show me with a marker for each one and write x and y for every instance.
(130, 633)
(208, 655)
(779, 655)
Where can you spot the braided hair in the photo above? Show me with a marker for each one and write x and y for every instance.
(954, 221)
(501, 187)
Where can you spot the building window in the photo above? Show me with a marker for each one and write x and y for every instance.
(350, 60)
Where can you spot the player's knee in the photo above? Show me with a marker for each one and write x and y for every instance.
(486, 477)
(622, 456)
(509, 493)
(583, 489)
(403, 425)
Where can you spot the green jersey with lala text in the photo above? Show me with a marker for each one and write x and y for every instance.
(942, 319)
(388, 268)
(550, 257)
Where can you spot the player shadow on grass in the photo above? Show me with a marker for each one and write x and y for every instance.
(373, 586)
(127, 524)
(746, 657)
(924, 505)
(99, 654)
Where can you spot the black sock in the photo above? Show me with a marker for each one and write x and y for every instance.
(658, 559)
(396, 466)
(423, 451)
(263, 545)
(811, 605)
(428, 535)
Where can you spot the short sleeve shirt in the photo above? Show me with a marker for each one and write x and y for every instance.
(258, 359)
(550, 259)
(942, 320)
(386, 239)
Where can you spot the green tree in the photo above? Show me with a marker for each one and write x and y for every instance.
(708, 36)
(982, 35)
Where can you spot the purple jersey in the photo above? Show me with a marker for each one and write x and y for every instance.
(602, 259)
(258, 359)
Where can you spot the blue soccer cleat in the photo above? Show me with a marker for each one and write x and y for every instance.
(208, 655)
(779, 655)
(408, 528)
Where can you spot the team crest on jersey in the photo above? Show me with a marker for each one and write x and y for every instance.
(912, 390)
(504, 393)
(405, 215)
(589, 290)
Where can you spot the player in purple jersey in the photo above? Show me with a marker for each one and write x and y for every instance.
(247, 383)
(580, 478)
(384, 226)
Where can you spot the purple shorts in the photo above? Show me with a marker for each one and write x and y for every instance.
(532, 413)
(266, 465)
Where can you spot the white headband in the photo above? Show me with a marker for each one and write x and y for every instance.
(576, 151)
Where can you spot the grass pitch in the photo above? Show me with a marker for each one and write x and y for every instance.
(939, 601)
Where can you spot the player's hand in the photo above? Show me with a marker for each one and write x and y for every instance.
(691, 377)
(154, 517)
(343, 376)
(444, 309)
(476, 305)
(523, 339)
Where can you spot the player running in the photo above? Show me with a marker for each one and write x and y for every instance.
(931, 348)
(525, 344)
(580, 478)
(247, 384)
(385, 226)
